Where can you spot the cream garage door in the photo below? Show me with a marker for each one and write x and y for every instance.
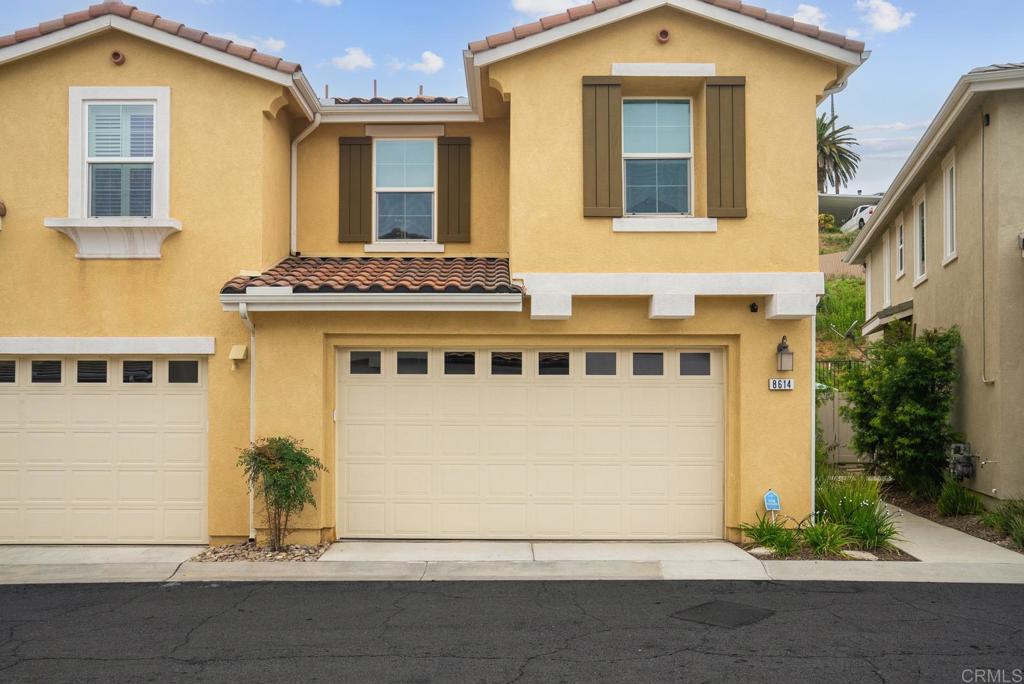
(102, 450)
(522, 444)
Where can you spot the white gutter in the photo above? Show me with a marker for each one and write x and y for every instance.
(243, 313)
(283, 299)
(963, 92)
(294, 190)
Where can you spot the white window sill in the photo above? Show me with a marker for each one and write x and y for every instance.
(900, 274)
(664, 224)
(116, 237)
(921, 279)
(401, 247)
(950, 258)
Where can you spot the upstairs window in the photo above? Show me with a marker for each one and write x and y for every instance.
(920, 239)
(120, 159)
(949, 206)
(657, 150)
(900, 252)
(404, 188)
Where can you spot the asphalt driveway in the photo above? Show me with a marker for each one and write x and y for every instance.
(512, 632)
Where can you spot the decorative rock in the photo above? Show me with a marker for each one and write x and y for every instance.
(860, 555)
(250, 552)
(760, 551)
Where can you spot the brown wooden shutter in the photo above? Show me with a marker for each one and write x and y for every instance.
(602, 146)
(727, 147)
(453, 189)
(356, 210)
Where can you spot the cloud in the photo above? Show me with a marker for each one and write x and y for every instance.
(809, 14)
(396, 64)
(884, 16)
(542, 8)
(354, 58)
(266, 44)
(430, 63)
(852, 33)
(328, 3)
(892, 126)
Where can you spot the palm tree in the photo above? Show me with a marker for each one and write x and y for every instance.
(837, 162)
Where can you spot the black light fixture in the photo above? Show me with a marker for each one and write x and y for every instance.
(785, 356)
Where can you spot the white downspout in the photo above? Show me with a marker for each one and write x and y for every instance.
(294, 192)
(243, 313)
(814, 417)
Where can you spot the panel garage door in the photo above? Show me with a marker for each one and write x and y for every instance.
(524, 444)
(102, 450)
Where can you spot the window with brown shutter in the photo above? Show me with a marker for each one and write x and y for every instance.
(356, 190)
(453, 189)
(726, 148)
(602, 146)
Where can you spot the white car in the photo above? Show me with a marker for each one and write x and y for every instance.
(860, 216)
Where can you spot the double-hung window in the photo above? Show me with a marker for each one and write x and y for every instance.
(949, 207)
(657, 150)
(405, 180)
(900, 252)
(119, 159)
(920, 239)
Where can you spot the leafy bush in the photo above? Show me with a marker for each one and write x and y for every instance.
(825, 537)
(280, 471)
(841, 308)
(955, 499)
(855, 501)
(898, 404)
(1008, 518)
(772, 534)
(826, 222)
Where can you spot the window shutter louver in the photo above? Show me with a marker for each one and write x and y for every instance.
(453, 189)
(356, 191)
(602, 146)
(726, 148)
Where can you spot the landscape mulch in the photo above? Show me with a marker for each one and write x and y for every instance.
(250, 552)
(807, 554)
(968, 524)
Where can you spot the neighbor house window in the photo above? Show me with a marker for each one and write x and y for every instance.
(886, 271)
(920, 239)
(900, 259)
(657, 155)
(949, 206)
(404, 182)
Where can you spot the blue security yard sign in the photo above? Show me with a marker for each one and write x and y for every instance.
(771, 501)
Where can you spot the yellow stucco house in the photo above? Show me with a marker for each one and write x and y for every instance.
(550, 309)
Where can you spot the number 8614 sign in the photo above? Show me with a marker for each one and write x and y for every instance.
(780, 384)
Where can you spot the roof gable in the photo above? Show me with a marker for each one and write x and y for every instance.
(733, 13)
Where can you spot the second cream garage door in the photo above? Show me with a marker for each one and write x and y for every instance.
(530, 444)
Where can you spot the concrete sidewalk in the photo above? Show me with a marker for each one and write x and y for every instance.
(946, 555)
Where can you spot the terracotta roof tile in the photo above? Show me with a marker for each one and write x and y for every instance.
(132, 13)
(590, 8)
(419, 99)
(382, 274)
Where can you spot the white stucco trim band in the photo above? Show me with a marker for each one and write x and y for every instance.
(667, 69)
(257, 299)
(673, 295)
(84, 346)
(664, 224)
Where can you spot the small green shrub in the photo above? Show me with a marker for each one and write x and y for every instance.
(280, 471)
(855, 501)
(1008, 518)
(826, 538)
(955, 499)
(772, 534)
(826, 222)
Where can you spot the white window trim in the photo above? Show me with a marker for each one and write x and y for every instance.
(659, 223)
(886, 271)
(404, 245)
(949, 242)
(901, 248)
(117, 237)
(656, 155)
(868, 274)
(920, 245)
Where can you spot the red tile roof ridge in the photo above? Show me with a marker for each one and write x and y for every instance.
(133, 13)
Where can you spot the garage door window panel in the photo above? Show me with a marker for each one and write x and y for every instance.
(91, 371)
(137, 372)
(183, 372)
(553, 363)
(601, 363)
(648, 363)
(506, 363)
(365, 362)
(8, 371)
(459, 363)
(413, 363)
(46, 372)
(695, 363)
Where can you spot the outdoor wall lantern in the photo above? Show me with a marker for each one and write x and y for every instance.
(785, 356)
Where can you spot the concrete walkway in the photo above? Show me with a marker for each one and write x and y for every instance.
(946, 555)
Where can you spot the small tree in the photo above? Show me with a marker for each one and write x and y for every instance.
(281, 471)
(898, 403)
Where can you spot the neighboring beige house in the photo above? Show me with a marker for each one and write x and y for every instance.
(944, 248)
